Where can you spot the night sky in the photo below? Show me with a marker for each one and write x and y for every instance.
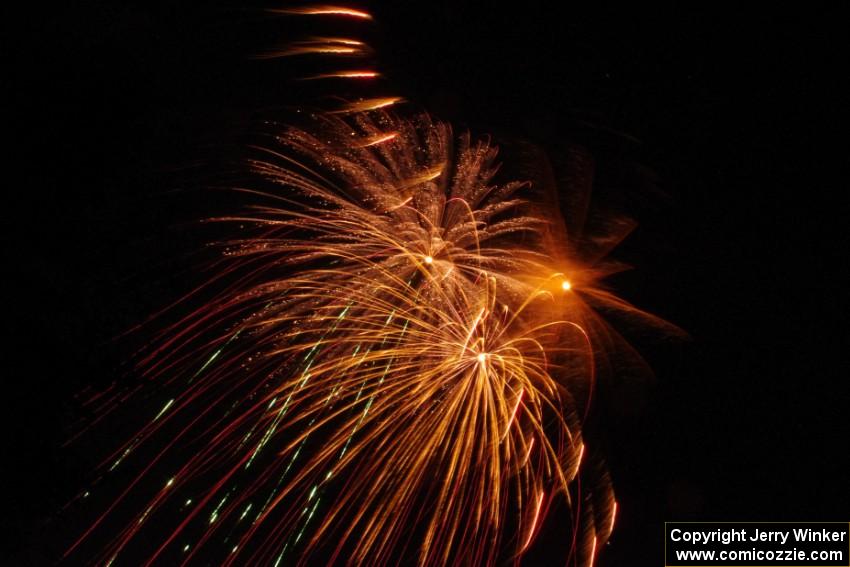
(717, 130)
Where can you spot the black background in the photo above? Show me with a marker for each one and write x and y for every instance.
(743, 244)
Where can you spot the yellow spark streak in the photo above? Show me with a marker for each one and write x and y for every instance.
(431, 174)
(324, 11)
(578, 460)
(375, 140)
(613, 517)
(342, 40)
(320, 46)
(472, 329)
(402, 204)
(318, 49)
(592, 552)
(528, 453)
(346, 75)
(368, 105)
(513, 413)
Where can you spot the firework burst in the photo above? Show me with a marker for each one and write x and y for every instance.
(397, 367)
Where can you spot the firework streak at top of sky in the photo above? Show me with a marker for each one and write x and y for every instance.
(396, 363)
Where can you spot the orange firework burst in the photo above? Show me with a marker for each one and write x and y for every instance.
(397, 367)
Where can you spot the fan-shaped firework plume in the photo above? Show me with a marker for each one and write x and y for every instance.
(395, 366)
(395, 369)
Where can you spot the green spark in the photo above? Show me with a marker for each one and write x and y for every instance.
(214, 515)
(121, 458)
(164, 409)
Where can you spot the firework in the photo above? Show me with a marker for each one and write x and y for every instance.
(393, 362)
(397, 367)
